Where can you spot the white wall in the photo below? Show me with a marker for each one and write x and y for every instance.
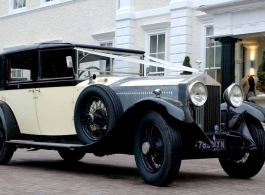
(74, 21)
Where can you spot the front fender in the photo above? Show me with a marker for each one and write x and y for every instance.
(167, 105)
(254, 110)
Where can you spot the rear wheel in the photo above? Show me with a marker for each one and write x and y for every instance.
(248, 164)
(6, 151)
(157, 150)
(71, 155)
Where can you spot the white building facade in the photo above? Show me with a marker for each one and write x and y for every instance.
(223, 34)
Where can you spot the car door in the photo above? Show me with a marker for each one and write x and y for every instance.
(19, 92)
(54, 93)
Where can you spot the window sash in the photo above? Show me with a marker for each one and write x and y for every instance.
(18, 4)
(157, 47)
(212, 54)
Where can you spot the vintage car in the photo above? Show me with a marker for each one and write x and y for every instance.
(80, 99)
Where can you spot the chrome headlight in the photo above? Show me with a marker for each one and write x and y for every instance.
(233, 95)
(197, 93)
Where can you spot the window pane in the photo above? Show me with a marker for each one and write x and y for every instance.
(161, 56)
(20, 66)
(109, 44)
(24, 3)
(217, 43)
(161, 43)
(218, 75)
(209, 31)
(211, 73)
(152, 69)
(160, 69)
(19, 4)
(153, 44)
(218, 51)
(54, 64)
(103, 44)
(19, 73)
(15, 4)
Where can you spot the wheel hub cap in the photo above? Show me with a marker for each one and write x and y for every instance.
(91, 118)
(146, 148)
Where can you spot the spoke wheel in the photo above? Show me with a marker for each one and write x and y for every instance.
(95, 119)
(6, 151)
(248, 164)
(152, 141)
(157, 150)
(97, 111)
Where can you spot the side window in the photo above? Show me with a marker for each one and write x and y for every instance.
(53, 64)
(20, 67)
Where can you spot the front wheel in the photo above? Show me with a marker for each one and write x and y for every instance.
(157, 150)
(251, 162)
(71, 155)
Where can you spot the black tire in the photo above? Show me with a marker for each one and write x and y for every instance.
(97, 111)
(6, 151)
(250, 163)
(71, 155)
(161, 163)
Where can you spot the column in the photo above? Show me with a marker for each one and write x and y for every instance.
(124, 32)
(227, 61)
(125, 25)
(180, 40)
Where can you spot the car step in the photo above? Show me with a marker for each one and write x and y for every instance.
(26, 143)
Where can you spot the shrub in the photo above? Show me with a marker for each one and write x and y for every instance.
(186, 63)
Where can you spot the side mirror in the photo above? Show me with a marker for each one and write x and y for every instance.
(69, 61)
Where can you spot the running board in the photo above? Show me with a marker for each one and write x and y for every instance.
(32, 144)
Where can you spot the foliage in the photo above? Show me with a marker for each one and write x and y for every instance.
(261, 74)
(187, 64)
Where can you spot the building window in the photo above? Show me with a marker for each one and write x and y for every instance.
(157, 50)
(49, 2)
(106, 44)
(16, 73)
(213, 54)
(18, 4)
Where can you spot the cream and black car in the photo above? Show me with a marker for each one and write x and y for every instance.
(80, 99)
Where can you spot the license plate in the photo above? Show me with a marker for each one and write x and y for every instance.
(219, 143)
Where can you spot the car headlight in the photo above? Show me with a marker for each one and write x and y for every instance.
(197, 93)
(233, 95)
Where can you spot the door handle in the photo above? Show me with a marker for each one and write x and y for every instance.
(37, 90)
(31, 90)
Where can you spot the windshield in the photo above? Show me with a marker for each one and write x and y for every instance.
(90, 62)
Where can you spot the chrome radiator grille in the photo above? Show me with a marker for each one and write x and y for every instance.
(209, 114)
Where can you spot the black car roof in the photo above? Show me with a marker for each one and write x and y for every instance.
(63, 45)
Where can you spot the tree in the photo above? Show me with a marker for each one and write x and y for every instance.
(187, 64)
(261, 74)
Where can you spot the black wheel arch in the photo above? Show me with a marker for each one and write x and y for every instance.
(9, 121)
(252, 109)
(174, 112)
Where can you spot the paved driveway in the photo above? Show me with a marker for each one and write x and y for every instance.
(43, 172)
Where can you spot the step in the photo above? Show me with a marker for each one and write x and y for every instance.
(20, 143)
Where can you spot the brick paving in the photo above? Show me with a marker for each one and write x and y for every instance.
(44, 172)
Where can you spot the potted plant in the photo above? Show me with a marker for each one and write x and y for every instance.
(186, 63)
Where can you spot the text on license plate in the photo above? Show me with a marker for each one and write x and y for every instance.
(219, 143)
